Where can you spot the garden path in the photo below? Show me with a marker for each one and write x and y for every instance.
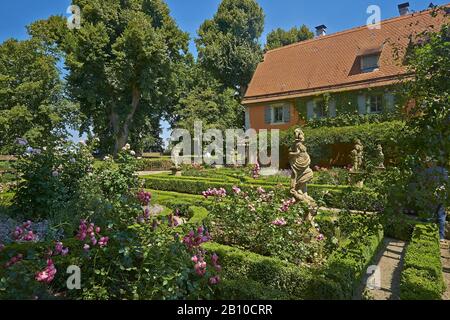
(445, 258)
(390, 262)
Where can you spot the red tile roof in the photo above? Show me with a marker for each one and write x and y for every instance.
(330, 63)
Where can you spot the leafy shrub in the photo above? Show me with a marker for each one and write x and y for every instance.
(265, 223)
(346, 120)
(146, 260)
(422, 272)
(320, 140)
(50, 178)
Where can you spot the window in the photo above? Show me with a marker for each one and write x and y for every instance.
(320, 108)
(370, 63)
(278, 114)
(375, 103)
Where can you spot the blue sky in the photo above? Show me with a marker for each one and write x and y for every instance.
(337, 15)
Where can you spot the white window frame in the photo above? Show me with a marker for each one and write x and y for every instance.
(372, 67)
(379, 103)
(272, 113)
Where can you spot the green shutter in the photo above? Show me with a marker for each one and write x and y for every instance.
(362, 104)
(287, 113)
(268, 115)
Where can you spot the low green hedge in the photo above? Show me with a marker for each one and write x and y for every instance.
(422, 271)
(336, 280)
(331, 196)
(400, 226)
(345, 268)
(159, 164)
(239, 265)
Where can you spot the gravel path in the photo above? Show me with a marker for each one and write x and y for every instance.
(445, 258)
(389, 261)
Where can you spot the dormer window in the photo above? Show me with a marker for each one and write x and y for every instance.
(370, 62)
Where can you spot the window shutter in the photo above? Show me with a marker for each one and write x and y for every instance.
(362, 105)
(247, 118)
(310, 110)
(332, 108)
(287, 113)
(268, 115)
(390, 101)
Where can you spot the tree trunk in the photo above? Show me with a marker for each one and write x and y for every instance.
(122, 130)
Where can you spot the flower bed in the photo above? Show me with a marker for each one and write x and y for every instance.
(422, 272)
(337, 279)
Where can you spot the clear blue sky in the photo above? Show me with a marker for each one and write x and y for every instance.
(337, 15)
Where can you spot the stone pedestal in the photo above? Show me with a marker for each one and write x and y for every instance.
(176, 171)
(356, 179)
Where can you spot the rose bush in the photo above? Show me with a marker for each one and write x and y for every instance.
(265, 223)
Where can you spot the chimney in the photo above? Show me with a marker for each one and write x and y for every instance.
(403, 8)
(321, 30)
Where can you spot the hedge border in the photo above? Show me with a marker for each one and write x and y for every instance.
(422, 277)
(332, 196)
(337, 280)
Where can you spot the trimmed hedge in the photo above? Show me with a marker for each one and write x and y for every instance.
(338, 279)
(422, 272)
(331, 196)
(159, 164)
(240, 265)
(319, 140)
(345, 268)
(400, 226)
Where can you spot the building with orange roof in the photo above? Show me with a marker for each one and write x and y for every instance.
(353, 71)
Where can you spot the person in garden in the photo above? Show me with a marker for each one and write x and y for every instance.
(436, 178)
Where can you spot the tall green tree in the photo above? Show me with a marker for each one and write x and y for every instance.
(208, 102)
(228, 44)
(31, 97)
(123, 64)
(429, 124)
(279, 38)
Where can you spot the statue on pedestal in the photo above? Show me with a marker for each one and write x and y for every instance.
(380, 157)
(301, 172)
(357, 156)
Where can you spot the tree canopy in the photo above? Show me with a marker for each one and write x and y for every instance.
(228, 44)
(31, 95)
(123, 65)
(429, 60)
(279, 38)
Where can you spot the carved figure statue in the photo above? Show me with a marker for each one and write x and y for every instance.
(300, 161)
(357, 156)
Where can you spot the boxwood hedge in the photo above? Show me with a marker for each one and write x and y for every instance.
(338, 279)
(422, 272)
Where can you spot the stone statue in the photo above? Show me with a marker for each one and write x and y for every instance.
(301, 172)
(357, 156)
(380, 157)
